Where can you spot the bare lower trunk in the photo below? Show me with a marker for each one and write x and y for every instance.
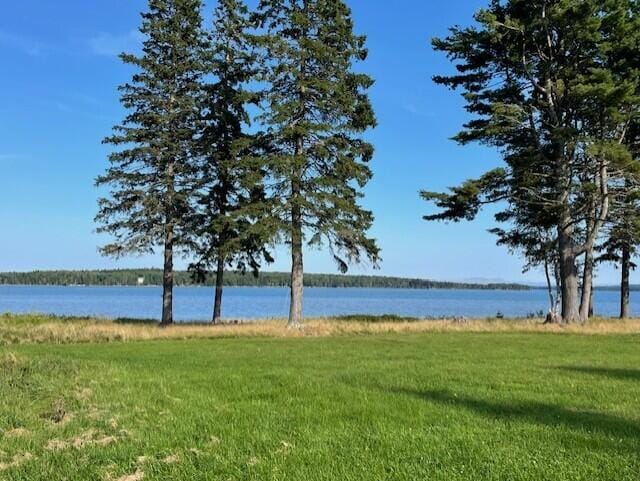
(549, 286)
(554, 301)
(167, 278)
(556, 277)
(625, 311)
(587, 286)
(566, 247)
(568, 280)
(297, 263)
(217, 302)
(297, 270)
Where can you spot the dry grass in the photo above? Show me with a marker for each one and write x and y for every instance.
(31, 329)
(137, 476)
(88, 438)
(16, 433)
(16, 461)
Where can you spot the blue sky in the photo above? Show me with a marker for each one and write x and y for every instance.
(59, 99)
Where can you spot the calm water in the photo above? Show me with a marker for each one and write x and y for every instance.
(194, 304)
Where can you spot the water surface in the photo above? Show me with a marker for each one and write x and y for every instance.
(195, 303)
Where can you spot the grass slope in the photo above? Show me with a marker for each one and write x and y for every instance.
(409, 406)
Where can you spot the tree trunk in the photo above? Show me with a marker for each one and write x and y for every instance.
(549, 287)
(566, 245)
(297, 269)
(587, 286)
(568, 278)
(167, 278)
(625, 311)
(556, 277)
(297, 263)
(217, 303)
(553, 317)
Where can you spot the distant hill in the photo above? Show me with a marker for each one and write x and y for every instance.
(634, 288)
(153, 277)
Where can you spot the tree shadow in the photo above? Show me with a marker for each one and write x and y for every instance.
(156, 322)
(372, 319)
(551, 415)
(126, 320)
(608, 372)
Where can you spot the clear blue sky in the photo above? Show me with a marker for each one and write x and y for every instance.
(59, 77)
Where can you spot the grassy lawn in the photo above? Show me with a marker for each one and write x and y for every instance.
(392, 406)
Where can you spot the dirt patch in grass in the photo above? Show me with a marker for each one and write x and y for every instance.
(137, 476)
(16, 461)
(17, 433)
(88, 438)
(171, 459)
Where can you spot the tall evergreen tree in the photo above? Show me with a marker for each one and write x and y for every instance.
(623, 229)
(538, 246)
(316, 111)
(622, 233)
(230, 225)
(544, 82)
(621, 245)
(149, 173)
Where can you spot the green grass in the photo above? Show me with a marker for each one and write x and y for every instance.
(430, 406)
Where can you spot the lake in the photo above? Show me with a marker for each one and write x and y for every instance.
(194, 303)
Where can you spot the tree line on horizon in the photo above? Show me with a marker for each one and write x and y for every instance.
(240, 136)
(554, 85)
(251, 133)
(154, 277)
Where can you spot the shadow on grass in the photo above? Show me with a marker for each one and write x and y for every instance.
(126, 320)
(608, 372)
(371, 319)
(535, 412)
(155, 322)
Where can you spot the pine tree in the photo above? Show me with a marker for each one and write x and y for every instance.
(230, 225)
(622, 234)
(149, 174)
(544, 80)
(621, 244)
(317, 109)
(537, 242)
(623, 229)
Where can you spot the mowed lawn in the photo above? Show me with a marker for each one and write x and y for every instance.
(426, 406)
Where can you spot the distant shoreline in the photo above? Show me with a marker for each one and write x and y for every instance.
(153, 278)
(524, 288)
(204, 286)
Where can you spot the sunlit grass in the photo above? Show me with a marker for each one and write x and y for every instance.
(393, 406)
